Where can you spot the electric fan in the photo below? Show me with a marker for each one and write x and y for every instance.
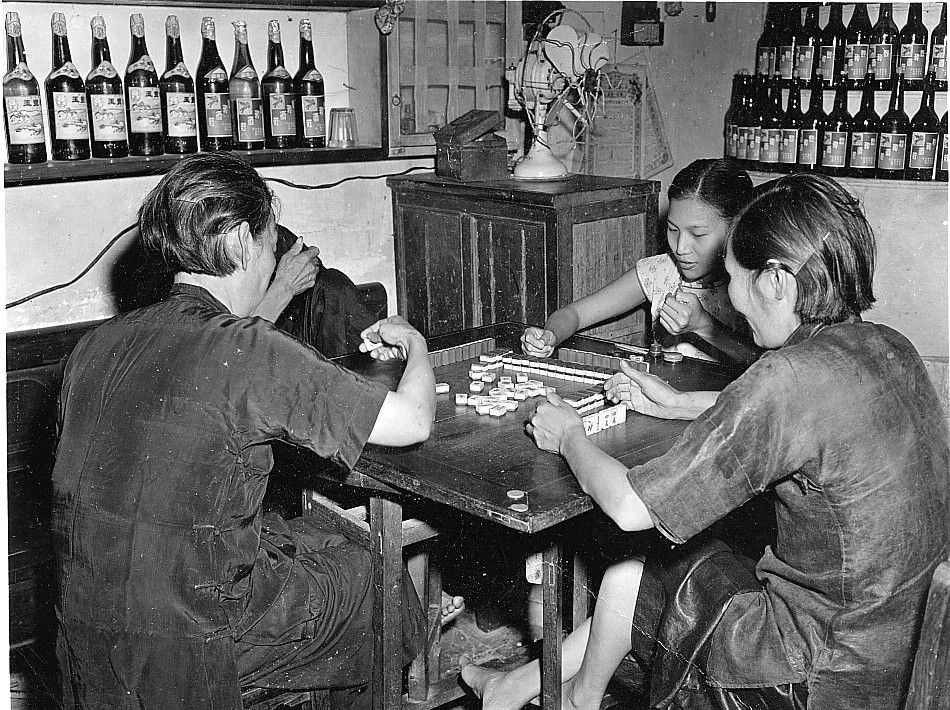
(558, 70)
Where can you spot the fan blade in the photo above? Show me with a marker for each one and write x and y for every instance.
(593, 52)
(561, 48)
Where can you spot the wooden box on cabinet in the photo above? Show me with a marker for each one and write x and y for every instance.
(469, 254)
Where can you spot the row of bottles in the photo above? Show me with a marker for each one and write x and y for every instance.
(790, 46)
(763, 135)
(147, 114)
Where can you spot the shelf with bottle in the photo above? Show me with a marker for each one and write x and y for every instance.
(155, 118)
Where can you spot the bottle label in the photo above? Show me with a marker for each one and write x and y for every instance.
(70, 116)
(882, 59)
(312, 75)
(856, 58)
(808, 146)
(181, 116)
(178, 70)
(923, 150)
(216, 74)
(826, 62)
(731, 140)
(765, 61)
(892, 149)
(145, 109)
(939, 62)
(280, 73)
(863, 149)
(25, 119)
(68, 69)
(788, 152)
(145, 62)
(250, 120)
(282, 115)
(105, 69)
(20, 71)
(943, 158)
(835, 151)
(754, 143)
(218, 115)
(786, 61)
(805, 61)
(246, 73)
(771, 141)
(108, 117)
(913, 59)
(314, 117)
(742, 142)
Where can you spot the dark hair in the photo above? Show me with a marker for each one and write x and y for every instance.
(719, 182)
(184, 218)
(812, 227)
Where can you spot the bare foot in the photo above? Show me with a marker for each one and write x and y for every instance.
(489, 685)
(451, 607)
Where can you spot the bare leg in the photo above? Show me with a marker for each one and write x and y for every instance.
(587, 652)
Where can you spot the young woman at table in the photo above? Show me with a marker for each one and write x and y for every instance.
(688, 287)
(842, 421)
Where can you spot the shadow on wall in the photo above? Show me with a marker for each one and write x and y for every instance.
(138, 278)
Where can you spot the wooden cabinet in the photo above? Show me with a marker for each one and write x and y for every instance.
(479, 253)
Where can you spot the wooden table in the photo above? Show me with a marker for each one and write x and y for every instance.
(471, 461)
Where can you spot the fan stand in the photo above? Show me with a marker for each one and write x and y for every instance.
(539, 163)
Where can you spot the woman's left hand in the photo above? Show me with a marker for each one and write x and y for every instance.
(553, 422)
(683, 313)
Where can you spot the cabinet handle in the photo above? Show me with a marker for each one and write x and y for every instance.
(396, 100)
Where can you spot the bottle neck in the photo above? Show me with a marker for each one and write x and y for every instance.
(12, 59)
(897, 94)
(841, 98)
(915, 14)
(173, 53)
(139, 49)
(100, 52)
(835, 18)
(867, 96)
(275, 55)
(61, 53)
(794, 99)
(306, 53)
(209, 53)
(242, 55)
(817, 97)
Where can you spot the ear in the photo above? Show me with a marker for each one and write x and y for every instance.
(239, 242)
(779, 285)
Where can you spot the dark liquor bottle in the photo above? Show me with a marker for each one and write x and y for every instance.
(110, 135)
(728, 121)
(836, 130)
(178, 95)
(770, 135)
(810, 134)
(893, 136)
(913, 51)
(791, 129)
(143, 96)
(807, 52)
(865, 127)
(857, 46)
(66, 100)
(938, 51)
(277, 87)
(766, 47)
(754, 118)
(247, 116)
(885, 48)
(22, 110)
(309, 93)
(941, 173)
(214, 105)
(831, 50)
(789, 36)
(924, 131)
(746, 90)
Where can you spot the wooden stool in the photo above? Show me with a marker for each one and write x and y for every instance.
(270, 699)
(930, 680)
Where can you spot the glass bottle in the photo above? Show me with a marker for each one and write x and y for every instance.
(728, 120)
(214, 105)
(22, 108)
(789, 36)
(836, 131)
(771, 133)
(765, 48)
(938, 51)
(66, 100)
(857, 46)
(108, 130)
(831, 51)
(941, 173)
(807, 52)
(885, 48)
(913, 49)
(277, 87)
(754, 118)
(893, 135)
(244, 88)
(809, 136)
(742, 117)
(309, 94)
(179, 111)
(924, 131)
(791, 128)
(143, 96)
(865, 127)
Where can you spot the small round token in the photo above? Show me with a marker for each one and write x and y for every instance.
(673, 357)
(515, 494)
(519, 507)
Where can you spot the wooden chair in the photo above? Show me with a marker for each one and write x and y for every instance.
(930, 680)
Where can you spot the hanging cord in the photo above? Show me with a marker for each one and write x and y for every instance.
(117, 237)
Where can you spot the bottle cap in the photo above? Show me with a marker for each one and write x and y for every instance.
(171, 27)
(98, 25)
(273, 31)
(13, 24)
(207, 27)
(59, 24)
(306, 30)
(240, 31)
(137, 25)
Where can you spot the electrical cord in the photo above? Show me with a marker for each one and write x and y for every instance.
(117, 237)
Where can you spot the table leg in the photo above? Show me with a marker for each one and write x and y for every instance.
(385, 522)
(552, 599)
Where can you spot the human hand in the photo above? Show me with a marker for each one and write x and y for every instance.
(538, 342)
(298, 268)
(682, 312)
(553, 423)
(391, 338)
(643, 393)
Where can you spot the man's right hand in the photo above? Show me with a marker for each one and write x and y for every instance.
(538, 342)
